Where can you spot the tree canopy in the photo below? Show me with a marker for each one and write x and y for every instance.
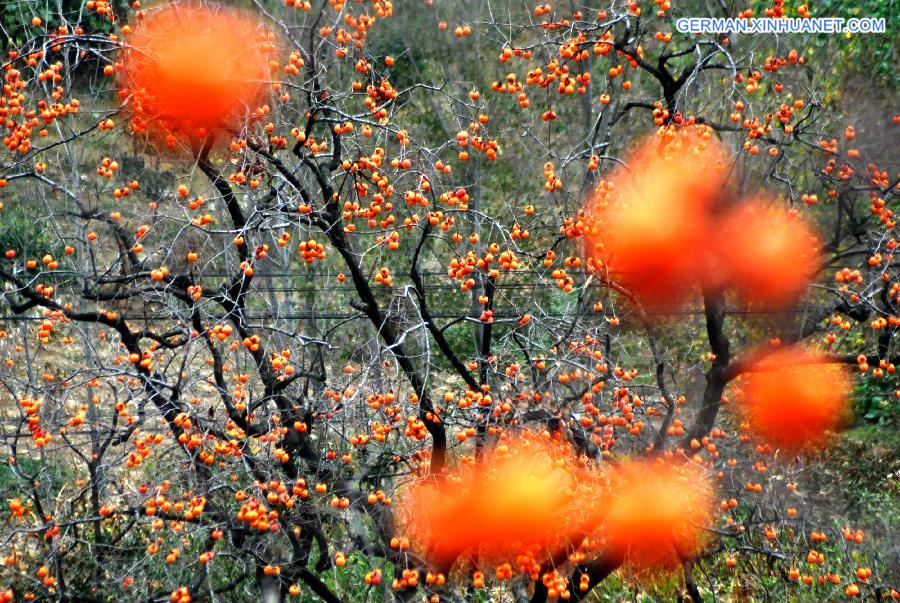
(492, 300)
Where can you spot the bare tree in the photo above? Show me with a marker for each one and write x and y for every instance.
(222, 363)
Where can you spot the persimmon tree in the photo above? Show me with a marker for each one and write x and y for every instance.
(343, 300)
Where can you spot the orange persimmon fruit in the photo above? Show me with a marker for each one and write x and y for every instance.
(648, 229)
(768, 254)
(191, 69)
(529, 495)
(656, 513)
(794, 397)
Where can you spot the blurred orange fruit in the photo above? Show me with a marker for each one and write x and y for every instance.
(794, 397)
(647, 230)
(529, 497)
(767, 253)
(190, 69)
(657, 512)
